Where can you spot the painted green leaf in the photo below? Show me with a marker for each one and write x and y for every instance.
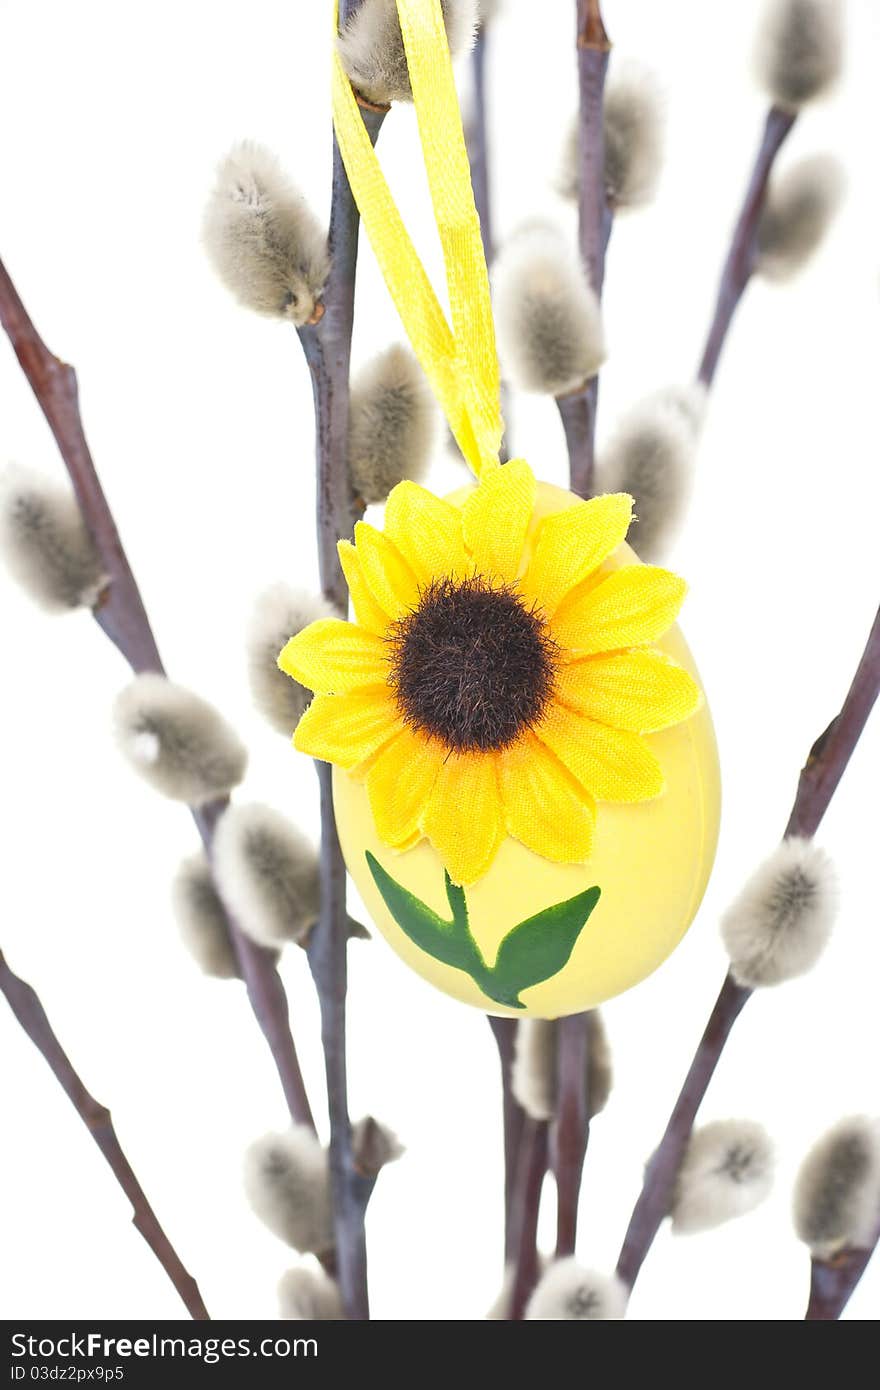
(458, 904)
(539, 947)
(534, 951)
(449, 942)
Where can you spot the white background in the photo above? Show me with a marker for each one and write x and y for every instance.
(111, 119)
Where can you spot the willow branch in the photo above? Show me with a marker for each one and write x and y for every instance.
(120, 611)
(327, 348)
(476, 137)
(818, 782)
(477, 141)
(266, 993)
(504, 1030)
(578, 408)
(593, 48)
(833, 1282)
(121, 614)
(833, 749)
(27, 1008)
(578, 413)
(740, 263)
(661, 1174)
(529, 1182)
(572, 1123)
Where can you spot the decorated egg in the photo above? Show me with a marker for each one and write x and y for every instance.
(526, 779)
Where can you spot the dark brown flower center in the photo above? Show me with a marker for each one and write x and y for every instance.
(471, 665)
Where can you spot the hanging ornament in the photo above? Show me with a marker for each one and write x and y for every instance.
(526, 779)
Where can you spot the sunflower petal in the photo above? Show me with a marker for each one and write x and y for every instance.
(366, 610)
(399, 785)
(388, 577)
(572, 544)
(332, 657)
(463, 818)
(632, 606)
(611, 764)
(637, 690)
(347, 729)
(543, 806)
(426, 531)
(496, 518)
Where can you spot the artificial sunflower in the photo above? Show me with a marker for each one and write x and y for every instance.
(498, 678)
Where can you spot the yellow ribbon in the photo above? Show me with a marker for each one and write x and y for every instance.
(460, 361)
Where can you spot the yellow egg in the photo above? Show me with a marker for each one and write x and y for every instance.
(527, 917)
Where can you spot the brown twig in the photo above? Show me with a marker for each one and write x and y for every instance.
(661, 1174)
(120, 611)
(27, 1008)
(328, 959)
(477, 141)
(504, 1030)
(593, 48)
(818, 779)
(327, 348)
(833, 1282)
(833, 749)
(529, 1182)
(578, 413)
(265, 990)
(818, 783)
(740, 261)
(572, 1124)
(578, 409)
(123, 618)
(476, 137)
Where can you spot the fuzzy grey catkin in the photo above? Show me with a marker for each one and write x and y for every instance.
(279, 613)
(727, 1171)
(392, 424)
(267, 872)
(651, 456)
(263, 239)
(46, 543)
(533, 1075)
(633, 125)
(799, 50)
(798, 211)
(202, 920)
(373, 1145)
(287, 1182)
(549, 321)
(837, 1192)
(178, 742)
(372, 51)
(779, 925)
(535, 1060)
(568, 1292)
(309, 1295)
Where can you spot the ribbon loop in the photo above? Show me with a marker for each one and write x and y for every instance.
(461, 361)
